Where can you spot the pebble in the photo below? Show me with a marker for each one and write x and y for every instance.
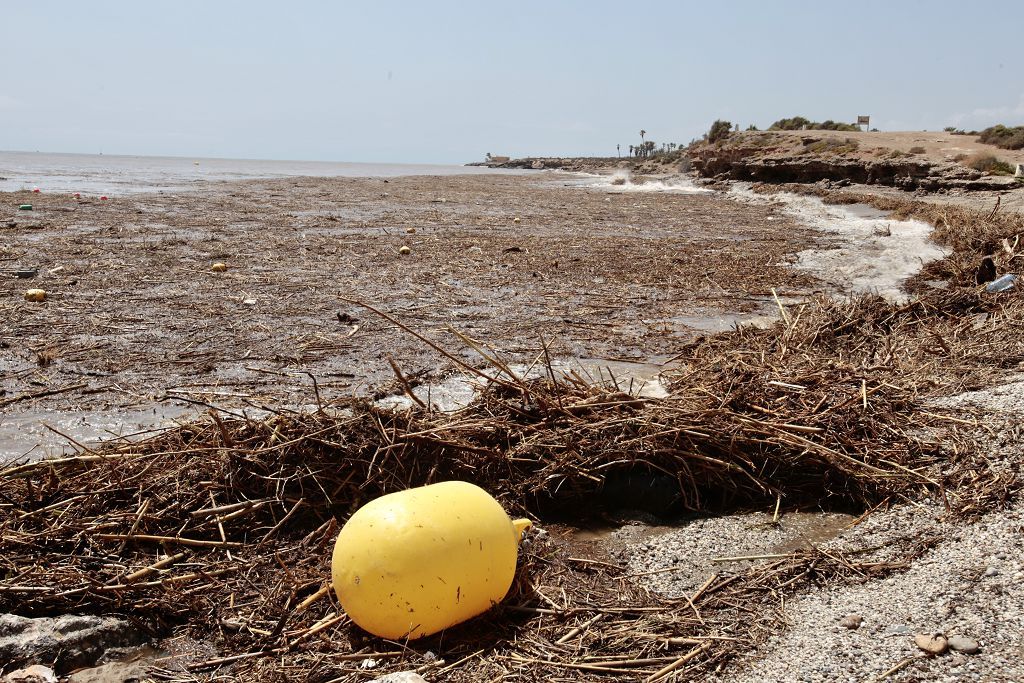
(968, 646)
(932, 643)
(991, 571)
(851, 621)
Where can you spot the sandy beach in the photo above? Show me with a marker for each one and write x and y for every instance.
(391, 290)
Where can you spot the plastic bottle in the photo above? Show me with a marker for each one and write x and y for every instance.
(1002, 283)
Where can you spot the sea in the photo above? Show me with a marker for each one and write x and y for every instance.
(118, 175)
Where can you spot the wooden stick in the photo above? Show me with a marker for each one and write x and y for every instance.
(578, 630)
(156, 566)
(678, 663)
(194, 542)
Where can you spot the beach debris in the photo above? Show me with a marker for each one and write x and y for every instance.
(963, 644)
(219, 267)
(516, 219)
(410, 231)
(986, 271)
(1019, 172)
(35, 190)
(404, 250)
(1003, 283)
(35, 295)
(851, 621)
(76, 195)
(513, 250)
(413, 563)
(932, 643)
(37, 673)
(248, 302)
(25, 207)
(26, 273)
(103, 197)
(346, 318)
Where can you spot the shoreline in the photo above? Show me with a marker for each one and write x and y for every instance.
(509, 231)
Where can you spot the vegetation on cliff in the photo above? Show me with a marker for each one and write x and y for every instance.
(1003, 136)
(801, 123)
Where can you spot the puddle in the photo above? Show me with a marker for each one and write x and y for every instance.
(866, 211)
(865, 251)
(25, 435)
(640, 379)
(724, 322)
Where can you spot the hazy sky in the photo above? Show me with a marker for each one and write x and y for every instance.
(446, 81)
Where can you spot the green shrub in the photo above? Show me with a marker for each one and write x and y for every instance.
(833, 146)
(1003, 137)
(795, 123)
(720, 130)
(799, 122)
(917, 149)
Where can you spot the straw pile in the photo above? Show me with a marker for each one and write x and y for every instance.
(222, 530)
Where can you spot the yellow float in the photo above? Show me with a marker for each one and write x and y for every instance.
(413, 563)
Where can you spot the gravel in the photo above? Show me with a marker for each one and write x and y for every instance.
(969, 586)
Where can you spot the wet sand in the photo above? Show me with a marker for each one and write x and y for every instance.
(136, 321)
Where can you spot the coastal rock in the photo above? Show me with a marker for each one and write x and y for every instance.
(932, 643)
(968, 646)
(851, 621)
(70, 641)
(400, 677)
(32, 674)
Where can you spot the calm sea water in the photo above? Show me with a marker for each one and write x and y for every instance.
(113, 175)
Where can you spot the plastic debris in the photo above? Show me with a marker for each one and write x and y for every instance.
(413, 563)
(219, 267)
(35, 295)
(1002, 283)
(405, 251)
(25, 207)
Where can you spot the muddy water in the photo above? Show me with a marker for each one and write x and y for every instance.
(26, 435)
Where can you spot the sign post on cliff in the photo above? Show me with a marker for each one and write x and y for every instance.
(864, 121)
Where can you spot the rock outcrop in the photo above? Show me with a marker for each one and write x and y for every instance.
(65, 642)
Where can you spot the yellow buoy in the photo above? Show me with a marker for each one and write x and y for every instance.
(35, 295)
(413, 563)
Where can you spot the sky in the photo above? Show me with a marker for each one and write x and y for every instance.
(447, 82)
